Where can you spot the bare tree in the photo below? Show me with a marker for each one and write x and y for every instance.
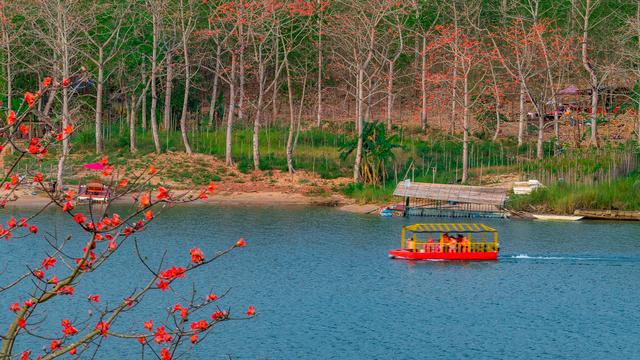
(155, 7)
(105, 38)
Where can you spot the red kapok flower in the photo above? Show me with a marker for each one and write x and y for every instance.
(24, 129)
(25, 355)
(103, 327)
(67, 130)
(142, 340)
(66, 290)
(68, 206)
(152, 170)
(145, 200)
(38, 273)
(15, 307)
(94, 298)
(104, 160)
(148, 215)
(66, 82)
(22, 323)
(28, 303)
(123, 182)
(55, 344)
(73, 351)
(162, 193)
(149, 325)
(218, 315)
(194, 338)
(46, 81)
(38, 177)
(251, 311)
(165, 354)
(162, 285)
(48, 262)
(54, 280)
(79, 218)
(33, 229)
(211, 188)
(212, 297)
(11, 118)
(30, 98)
(196, 255)
(241, 243)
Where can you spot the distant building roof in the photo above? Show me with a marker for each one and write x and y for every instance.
(457, 193)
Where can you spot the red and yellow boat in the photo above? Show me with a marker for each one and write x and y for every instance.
(464, 241)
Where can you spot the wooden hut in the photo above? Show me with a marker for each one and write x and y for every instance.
(424, 199)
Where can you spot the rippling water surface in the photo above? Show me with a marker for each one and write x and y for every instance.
(325, 289)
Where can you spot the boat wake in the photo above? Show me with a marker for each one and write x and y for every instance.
(535, 257)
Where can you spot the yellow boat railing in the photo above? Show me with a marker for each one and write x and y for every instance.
(438, 247)
(439, 239)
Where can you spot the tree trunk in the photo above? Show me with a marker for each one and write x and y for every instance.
(185, 102)
(389, 94)
(62, 36)
(359, 122)
(99, 91)
(586, 63)
(214, 92)
(522, 118)
(274, 95)
(423, 85)
(256, 122)
(144, 99)
(132, 126)
(454, 93)
(319, 112)
(540, 144)
(231, 110)
(291, 120)
(154, 90)
(169, 92)
(241, 88)
(465, 136)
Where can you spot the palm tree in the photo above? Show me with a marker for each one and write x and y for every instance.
(377, 150)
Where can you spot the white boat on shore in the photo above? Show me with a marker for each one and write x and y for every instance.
(549, 217)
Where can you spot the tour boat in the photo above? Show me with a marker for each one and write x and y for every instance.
(464, 241)
(94, 192)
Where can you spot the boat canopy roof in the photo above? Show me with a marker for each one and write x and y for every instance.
(442, 228)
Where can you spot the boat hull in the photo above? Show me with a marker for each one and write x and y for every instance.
(416, 255)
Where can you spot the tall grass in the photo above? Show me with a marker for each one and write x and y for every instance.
(562, 198)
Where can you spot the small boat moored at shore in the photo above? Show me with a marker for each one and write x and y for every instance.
(464, 241)
(551, 217)
(94, 192)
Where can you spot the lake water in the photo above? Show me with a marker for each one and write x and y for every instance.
(324, 288)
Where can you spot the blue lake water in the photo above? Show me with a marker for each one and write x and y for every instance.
(324, 288)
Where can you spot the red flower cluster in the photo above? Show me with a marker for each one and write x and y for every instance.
(103, 327)
(161, 336)
(66, 290)
(67, 328)
(48, 262)
(182, 310)
(165, 354)
(172, 273)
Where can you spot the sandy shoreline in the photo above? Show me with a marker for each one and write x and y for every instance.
(249, 199)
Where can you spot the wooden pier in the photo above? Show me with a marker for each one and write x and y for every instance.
(460, 201)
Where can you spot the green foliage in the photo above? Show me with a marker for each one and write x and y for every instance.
(377, 151)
